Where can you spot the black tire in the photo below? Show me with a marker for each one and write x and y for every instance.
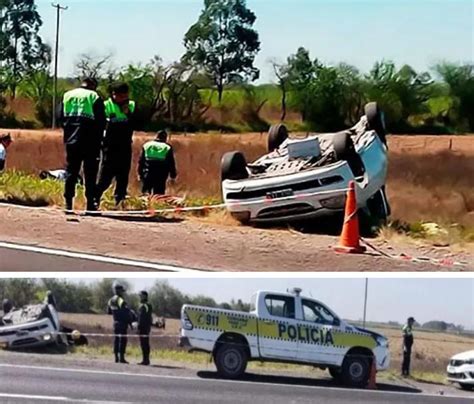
(355, 370)
(344, 149)
(233, 166)
(231, 361)
(376, 120)
(276, 136)
(467, 387)
(336, 374)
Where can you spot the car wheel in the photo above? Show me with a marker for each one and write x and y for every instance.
(231, 361)
(376, 120)
(276, 136)
(336, 374)
(465, 386)
(344, 149)
(355, 370)
(234, 166)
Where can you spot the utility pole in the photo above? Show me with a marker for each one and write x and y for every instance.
(365, 300)
(58, 8)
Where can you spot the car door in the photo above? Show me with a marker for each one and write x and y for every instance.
(316, 330)
(277, 328)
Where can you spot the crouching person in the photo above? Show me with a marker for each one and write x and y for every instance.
(156, 164)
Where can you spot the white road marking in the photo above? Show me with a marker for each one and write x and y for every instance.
(189, 378)
(58, 398)
(97, 258)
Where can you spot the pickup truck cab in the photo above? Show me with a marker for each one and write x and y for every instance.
(284, 327)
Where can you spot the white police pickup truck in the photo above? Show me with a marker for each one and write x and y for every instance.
(284, 327)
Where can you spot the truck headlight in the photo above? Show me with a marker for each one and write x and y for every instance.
(382, 342)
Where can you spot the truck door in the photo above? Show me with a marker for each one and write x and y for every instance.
(277, 328)
(316, 335)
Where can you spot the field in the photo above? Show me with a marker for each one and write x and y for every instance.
(428, 175)
(431, 351)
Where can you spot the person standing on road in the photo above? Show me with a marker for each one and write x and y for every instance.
(156, 164)
(145, 320)
(5, 142)
(83, 119)
(407, 331)
(117, 143)
(121, 313)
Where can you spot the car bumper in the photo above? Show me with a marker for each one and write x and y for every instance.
(28, 335)
(461, 374)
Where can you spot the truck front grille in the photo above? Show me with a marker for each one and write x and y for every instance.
(282, 211)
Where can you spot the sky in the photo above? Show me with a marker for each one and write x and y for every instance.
(359, 32)
(393, 299)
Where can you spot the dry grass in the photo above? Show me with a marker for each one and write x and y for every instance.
(431, 351)
(429, 176)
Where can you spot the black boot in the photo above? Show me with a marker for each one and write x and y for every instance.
(122, 359)
(91, 207)
(68, 205)
(117, 358)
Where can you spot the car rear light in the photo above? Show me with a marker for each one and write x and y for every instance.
(187, 324)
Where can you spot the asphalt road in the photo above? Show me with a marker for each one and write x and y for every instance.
(16, 257)
(35, 383)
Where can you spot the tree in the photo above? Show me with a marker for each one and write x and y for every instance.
(95, 66)
(281, 72)
(167, 300)
(19, 291)
(301, 71)
(223, 43)
(21, 46)
(103, 292)
(70, 297)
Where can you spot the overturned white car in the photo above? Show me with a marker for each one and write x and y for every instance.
(307, 178)
(35, 325)
(461, 370)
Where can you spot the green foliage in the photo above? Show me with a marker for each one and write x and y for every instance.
(21, 46)
(223, 43)
(19, 291)
(70, 297)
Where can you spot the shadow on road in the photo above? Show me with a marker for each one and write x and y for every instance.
(141, 219)
(305, 381)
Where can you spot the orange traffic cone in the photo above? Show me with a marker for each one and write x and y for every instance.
(372, 384)
(349, 241)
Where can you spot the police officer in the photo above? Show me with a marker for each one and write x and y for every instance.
(121, 313)
(83, 119)
(117, 142)
(145, 320)
(156, 164)
(407, 331)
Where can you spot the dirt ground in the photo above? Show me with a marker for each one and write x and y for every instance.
(193, 243)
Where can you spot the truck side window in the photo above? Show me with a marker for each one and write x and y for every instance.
(280, 306)
(317, 313)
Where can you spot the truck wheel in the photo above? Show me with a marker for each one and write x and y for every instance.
(344, 150)
(234, 166)
(276, 136)
(336, 374)
(376, 120)
(355, 370)
(231, 361)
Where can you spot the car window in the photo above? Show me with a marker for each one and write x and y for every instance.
(317, 313)
(280, 306)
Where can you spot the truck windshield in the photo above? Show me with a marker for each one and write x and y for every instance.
(317, 313)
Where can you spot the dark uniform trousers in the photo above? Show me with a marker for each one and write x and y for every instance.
(155, 183)
(145, 344)
(406, 359)
(77, 154)
(120, 341)
(115, 165)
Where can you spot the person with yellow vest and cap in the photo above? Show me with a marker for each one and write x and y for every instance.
(407, 332)
(145, 320)
(117, 142)
(83, 119)
(122, 318)
(156, 164)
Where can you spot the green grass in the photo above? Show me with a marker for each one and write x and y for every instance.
(29, 190)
